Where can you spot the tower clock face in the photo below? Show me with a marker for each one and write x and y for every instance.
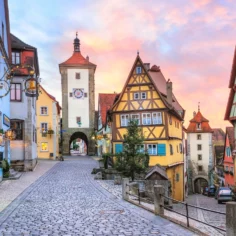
(78, 93)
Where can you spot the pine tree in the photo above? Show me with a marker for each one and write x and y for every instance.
(133, 159)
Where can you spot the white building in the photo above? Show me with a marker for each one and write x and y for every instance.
(200, 158)
(5, 55)
(78, 99)
(23, 108)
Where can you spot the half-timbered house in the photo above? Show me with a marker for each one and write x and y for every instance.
(147, 97)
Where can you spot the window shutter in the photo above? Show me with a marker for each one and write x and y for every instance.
(119, 148)
(71, 94)
(161, 150)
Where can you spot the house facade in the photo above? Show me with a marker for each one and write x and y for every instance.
(5, 61)
(230, 113)
(199, 142)
(148, 98)
(23, 107)
(78, 99)
(48, 125)
(228, 157)
(105, 102)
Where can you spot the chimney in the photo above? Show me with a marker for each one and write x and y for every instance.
(169, 91)
(194, 114)
(147, 66)
(87, 58)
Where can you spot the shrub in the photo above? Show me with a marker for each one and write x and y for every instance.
(6, 167)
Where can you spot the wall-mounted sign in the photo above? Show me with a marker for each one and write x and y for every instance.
(31, 87)
(78, 93)
(6, 120)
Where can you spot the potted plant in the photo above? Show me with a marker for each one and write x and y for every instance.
(50, 132)
(1, 131)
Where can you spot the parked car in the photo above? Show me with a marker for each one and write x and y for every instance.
(225, 196)
(205, 191)
(220, 188)
(211, 191)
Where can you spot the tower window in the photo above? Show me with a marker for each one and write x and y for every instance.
(199, 147)
(200, 168)
(199, 157)
(199, 137)
(138, 70)
(77, 75)
(198, 125)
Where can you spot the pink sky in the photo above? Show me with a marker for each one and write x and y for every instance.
(192, 42)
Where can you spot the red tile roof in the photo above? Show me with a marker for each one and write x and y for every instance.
(105, 101)
(53, 98)
(198, 118)
(77, 59)
(218, 135)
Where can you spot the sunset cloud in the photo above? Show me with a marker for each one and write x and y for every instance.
(192, 42)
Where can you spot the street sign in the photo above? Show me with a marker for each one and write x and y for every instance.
(63, 131)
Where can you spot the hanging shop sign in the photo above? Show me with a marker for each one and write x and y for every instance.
(31, 87)
(78, 93)
(6, 120)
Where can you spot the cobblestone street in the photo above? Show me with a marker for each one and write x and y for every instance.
(67, 201)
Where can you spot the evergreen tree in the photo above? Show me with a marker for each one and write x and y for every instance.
(133, 159)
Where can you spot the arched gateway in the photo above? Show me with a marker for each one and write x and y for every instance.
(79, 135)
(199, 183)
(78, 99)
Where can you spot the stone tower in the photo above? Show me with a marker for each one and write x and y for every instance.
(78, 99)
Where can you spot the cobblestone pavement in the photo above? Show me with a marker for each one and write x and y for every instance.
(196, 200)
(67, 201)
(10, 189)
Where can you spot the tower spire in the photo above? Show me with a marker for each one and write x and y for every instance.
(76, 43)
(198, 106)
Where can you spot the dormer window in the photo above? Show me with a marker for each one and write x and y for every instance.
(138, 70)
(198, 125)
(15, 58)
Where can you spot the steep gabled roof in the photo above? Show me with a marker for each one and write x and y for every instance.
(157, 169)
(230, 133)
(16, 43)
(105, 101)
(198, 118)
(233, 71)
(156, 86)
(53, 98)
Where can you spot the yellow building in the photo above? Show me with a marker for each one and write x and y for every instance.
(147, 97)
(48, 125)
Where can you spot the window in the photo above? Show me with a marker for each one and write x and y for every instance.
(199, 136)
(177, 147)
(15, 58)
(161, 150)
(146, 119)
(226, 168)
(232, 169)
(138, 70)
(16, 94)
(199, 156)
(43, 111)
(143, 95)
(200, 168)
(199, 147)
(171, 149)
(180, 147)
(140, 148)
(77, 75)
(170, 120)
(44, 146)
(17, 128)
(156, 118)
(78, 120)
(124, 120)
(136, 117)
(177, 177)
(178, 125)
(44, 127)
(152, 149)
(136, 96)
(198, 125)
(228, 152)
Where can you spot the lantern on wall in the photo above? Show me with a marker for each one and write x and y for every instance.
(31, 87)
(10, 134)
(2, 140)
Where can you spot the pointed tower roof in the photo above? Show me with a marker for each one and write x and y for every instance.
(199, 124)
(77, 58)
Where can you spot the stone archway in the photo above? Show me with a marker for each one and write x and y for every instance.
(80, 135)
(199, 183)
